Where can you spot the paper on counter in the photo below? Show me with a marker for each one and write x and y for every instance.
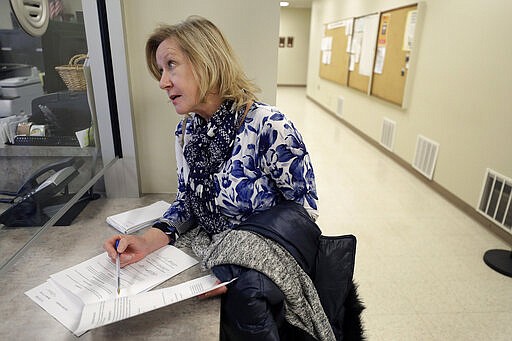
(58, 304)
(98, 314)
(138, 218)
(64, 295)
(96, 279)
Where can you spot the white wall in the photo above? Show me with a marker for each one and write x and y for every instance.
(5, 15)
(293, 62)
(461, 93)
(252, 27)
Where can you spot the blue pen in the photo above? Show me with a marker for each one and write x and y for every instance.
(118, 269)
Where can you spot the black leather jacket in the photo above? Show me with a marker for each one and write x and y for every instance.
(329, 261)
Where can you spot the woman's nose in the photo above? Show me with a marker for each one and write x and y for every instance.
(165, 81)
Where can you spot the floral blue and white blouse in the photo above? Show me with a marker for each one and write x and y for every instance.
(269, 163)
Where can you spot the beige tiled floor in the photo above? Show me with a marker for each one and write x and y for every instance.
(419, 259)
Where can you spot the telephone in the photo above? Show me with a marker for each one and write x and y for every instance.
(37, 200)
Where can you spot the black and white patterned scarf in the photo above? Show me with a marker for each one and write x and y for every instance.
(211, 144)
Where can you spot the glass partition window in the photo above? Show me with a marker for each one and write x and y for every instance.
(48, 144)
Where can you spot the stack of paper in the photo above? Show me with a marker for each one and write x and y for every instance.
(65, 294)
(136, 219)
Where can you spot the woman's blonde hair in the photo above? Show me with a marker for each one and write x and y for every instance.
(214, 64)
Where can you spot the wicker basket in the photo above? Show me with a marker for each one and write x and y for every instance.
(73, 73)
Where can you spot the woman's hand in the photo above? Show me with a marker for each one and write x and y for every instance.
(133, 248)
(215, 292)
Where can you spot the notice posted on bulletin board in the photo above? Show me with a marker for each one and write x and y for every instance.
(381, 43)
(410, 28)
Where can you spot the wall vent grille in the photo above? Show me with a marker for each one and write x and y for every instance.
(425, 156)
(387, 136)
(495, 199)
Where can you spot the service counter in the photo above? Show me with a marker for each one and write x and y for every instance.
(60, 247)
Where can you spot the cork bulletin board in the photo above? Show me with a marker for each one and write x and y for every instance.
(394, 44)
(374, 53)
(362, 52)
(334, 57)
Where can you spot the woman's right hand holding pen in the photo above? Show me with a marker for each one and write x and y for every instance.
(133, 248)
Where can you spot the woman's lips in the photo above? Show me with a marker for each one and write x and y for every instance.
(173, 98)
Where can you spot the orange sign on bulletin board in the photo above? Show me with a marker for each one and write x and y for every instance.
(383, 33)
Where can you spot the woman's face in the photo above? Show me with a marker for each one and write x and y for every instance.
(178, 81)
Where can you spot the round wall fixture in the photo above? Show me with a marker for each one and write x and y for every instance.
(33, 15)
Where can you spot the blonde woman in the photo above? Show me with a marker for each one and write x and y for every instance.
(238, 161)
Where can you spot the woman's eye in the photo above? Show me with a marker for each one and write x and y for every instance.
(171, 64)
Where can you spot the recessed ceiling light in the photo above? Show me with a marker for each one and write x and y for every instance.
(284, 3)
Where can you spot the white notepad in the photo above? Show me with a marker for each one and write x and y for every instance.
(136, 219)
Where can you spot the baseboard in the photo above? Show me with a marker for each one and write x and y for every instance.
(293, 85)
(452, 198)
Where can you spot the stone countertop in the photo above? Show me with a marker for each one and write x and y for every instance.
(37, 151)
(60, 247)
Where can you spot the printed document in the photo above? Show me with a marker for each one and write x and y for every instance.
(66, 292)
(58, 304)
(105, 312)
